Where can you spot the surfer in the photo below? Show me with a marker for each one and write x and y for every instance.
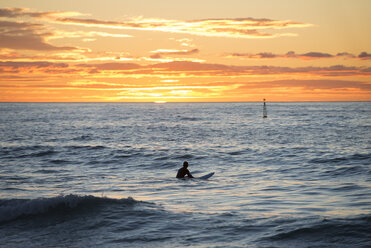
(182, 172)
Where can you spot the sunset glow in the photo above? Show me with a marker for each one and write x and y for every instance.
(185, 51)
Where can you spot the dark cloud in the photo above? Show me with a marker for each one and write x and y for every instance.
(346, 55)
(25, 67)
(316, 55)
(35, 64)
(255, 56)
(365, 56)
(26, 36)
(11, 12)
(19, 12)
(267, 55)
(293, 55)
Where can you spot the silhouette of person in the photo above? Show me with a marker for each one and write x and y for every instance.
(182, 172)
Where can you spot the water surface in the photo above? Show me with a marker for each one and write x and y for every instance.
(103, 174)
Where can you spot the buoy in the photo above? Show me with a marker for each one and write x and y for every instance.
(265, 115)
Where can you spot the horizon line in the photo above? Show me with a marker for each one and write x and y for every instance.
(178, 102)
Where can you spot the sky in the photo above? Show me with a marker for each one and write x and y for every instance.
(185, 51)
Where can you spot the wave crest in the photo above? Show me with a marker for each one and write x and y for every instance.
(16, 208)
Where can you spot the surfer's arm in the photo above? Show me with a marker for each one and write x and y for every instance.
(189, 174)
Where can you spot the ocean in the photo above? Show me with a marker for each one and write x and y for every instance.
(103, 175)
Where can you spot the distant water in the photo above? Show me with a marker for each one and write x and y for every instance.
(103, 175)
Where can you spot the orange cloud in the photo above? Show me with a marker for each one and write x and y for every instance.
(181, 69)
(169, 52)
(66, 56)
(227, 27)
(84, 34)
(194, 68)
(310, 84)
(88, 90)
(234, 28)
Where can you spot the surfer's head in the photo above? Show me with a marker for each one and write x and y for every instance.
(185, 164)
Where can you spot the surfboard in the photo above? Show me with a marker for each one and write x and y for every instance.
(206, 176)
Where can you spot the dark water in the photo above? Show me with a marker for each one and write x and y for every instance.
(103, 175)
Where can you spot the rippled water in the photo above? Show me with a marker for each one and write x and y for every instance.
(77, 175)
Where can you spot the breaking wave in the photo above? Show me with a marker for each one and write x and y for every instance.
(16, 208)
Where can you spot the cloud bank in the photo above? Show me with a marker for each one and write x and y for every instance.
(223, 27)
(186, 69)
(304, 56)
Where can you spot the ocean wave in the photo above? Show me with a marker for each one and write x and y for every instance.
(328, 231)
(190, 118)
(348, 187)
(85, 147)
(185, 156)
(59, 161)
(27, 151)
(50, 171)
(41, 153)
(352, 170)
(366, 158)
(12, 209)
